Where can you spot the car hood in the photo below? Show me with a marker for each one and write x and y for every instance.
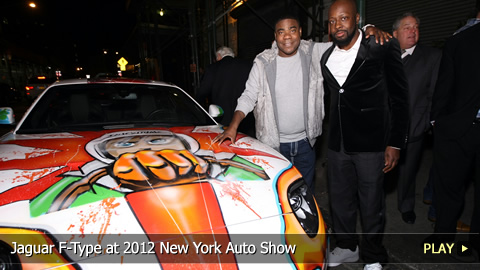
(44, 172)
(154, 185)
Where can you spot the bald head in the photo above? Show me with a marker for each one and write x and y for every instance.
(343, 20)
(352, 4)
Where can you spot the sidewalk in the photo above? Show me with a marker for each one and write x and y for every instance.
(404, 242)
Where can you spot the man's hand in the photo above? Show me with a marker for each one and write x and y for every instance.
(392, 156)
(380, 36)
(229, 134)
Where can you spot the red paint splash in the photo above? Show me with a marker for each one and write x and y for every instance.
(99, 216)
(31, 176)
(244, 144)
(236, 191)
(39, 152)
(261, 162)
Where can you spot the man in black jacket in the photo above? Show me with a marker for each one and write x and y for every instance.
(456, 118)
(421, 68)
(368, 127)
(223, 83)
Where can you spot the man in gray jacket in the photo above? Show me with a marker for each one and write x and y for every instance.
(285, 92)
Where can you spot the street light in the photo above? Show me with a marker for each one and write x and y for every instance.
(32, 5)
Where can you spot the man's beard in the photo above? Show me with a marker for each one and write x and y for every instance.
(344, 42)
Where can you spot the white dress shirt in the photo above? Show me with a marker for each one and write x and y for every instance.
(341, 61)
(408, 51)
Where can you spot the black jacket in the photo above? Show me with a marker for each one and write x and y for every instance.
(421, 69)
(370, 110)
(456, 100)
(223, 83)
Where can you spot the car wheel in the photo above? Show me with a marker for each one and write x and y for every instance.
(8, 261)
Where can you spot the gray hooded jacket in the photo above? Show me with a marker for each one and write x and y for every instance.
(259, 94)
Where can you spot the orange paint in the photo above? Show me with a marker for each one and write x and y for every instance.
(310, 251)
(117, 187)
(108, 205)
(174, 205)
(27, 237)
(181, 213)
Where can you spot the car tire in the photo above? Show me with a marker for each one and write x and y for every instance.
(8, 261)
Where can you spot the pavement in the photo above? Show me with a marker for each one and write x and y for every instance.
(404, 242)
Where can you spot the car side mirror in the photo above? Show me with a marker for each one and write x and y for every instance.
(215, 111)
(7, 117)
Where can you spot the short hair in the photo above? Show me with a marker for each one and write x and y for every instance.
(225, 51)
(286, 17)
(396, 23)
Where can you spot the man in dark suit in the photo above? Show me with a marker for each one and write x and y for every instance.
(456, 118)
(368, 127)
(421, 68)
(223, 83)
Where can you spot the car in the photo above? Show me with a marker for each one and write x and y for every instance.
(123, 172)
(36, 85)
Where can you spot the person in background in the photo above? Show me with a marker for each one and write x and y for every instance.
(456, 124)
(428, 193)
(421, 68)
(368, 127)
(285, 90)
(223, 83)
(472, 21)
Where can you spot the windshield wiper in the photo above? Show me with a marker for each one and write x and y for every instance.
(117, 125)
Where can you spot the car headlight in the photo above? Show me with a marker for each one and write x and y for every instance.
(303, 206)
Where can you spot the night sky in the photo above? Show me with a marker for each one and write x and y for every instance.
(95, 24)
(70, 31)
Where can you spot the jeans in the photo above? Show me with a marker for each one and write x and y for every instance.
(302, 155)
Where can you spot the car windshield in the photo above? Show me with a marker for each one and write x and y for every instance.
(108, 106)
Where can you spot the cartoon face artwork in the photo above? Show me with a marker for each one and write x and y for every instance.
(145, 161)
(111, 146)
(116, 147)
(140, 160)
